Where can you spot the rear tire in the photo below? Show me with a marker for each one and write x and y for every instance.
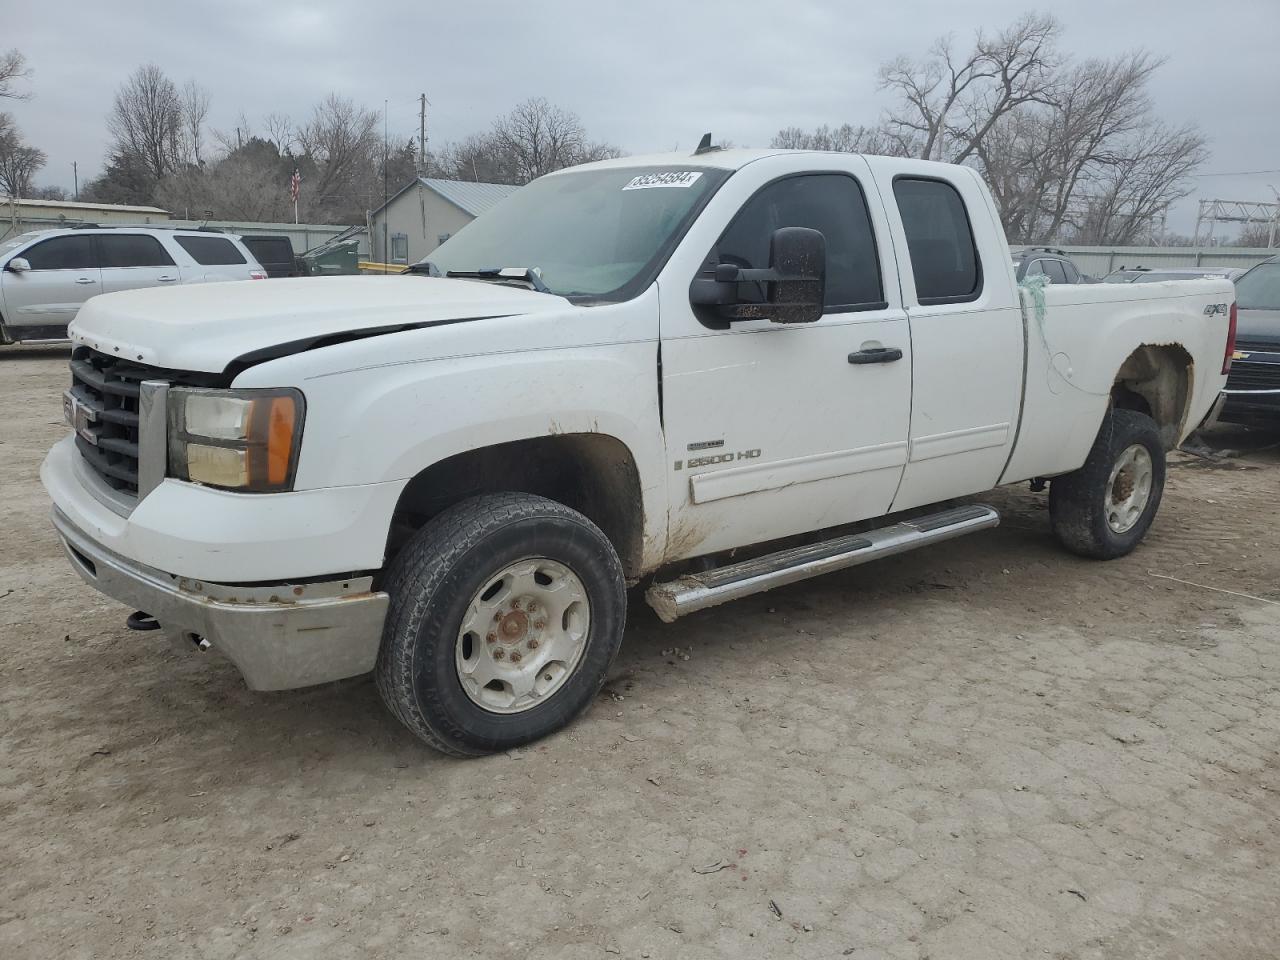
(506, 611)
(1104, 509)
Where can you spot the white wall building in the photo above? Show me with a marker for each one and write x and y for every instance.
(426, 213)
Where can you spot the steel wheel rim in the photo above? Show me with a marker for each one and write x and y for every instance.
(1129, 488)
(522, 635)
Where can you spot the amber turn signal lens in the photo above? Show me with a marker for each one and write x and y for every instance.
(280, 436)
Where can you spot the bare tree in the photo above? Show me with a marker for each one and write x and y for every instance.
(280, 131)
(845, 138)
(949, 101)
(534, 139)
(1070, 150)
(13, 66)
(195, 109)
(1040, 161)
(146, 121)
(19, 161)
(1135, 188)
(341, 139)
(539, 138)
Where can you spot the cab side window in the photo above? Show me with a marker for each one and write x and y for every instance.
(132, 250)
(1054, 270)
(830, 202)
(62, 253)
(940, 241)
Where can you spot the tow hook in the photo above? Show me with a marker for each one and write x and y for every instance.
(138, 620)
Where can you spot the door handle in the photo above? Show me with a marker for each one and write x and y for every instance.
(876, 355)
(166, 279)
(86, 280)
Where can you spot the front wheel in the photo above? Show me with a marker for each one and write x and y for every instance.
(506, 612)
(1104, 509)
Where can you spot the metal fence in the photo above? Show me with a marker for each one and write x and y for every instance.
(303, 236)
(1099, 261)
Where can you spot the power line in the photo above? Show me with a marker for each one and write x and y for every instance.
(1236, 173)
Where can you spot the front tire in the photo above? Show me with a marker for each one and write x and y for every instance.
(506, 611)
(1104, 509)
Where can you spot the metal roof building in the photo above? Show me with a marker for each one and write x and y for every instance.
(19, 216)
(425, 213)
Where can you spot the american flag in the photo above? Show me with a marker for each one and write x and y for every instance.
(295, 184)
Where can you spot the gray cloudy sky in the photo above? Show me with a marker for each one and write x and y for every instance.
(647, 76)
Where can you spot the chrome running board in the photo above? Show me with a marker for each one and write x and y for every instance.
(697, 591)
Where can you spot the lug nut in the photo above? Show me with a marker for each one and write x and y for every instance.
(497, 618)
(539, 624)
(499, 654)
(515, 656)
(492, 638)
(533, 644)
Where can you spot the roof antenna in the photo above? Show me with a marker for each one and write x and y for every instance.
(704, 145)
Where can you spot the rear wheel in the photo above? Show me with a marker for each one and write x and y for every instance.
(506, 611)
(1104, 509)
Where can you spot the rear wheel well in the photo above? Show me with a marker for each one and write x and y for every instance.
(593, 473)
(1156, 381)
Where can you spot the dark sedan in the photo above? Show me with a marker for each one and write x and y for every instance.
(1253, 386)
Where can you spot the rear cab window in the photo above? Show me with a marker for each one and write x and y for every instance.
(944, 257)
(211, 251)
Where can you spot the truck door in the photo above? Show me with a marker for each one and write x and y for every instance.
(966, 330)
(774, 429)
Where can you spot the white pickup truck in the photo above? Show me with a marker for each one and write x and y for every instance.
(714, 373)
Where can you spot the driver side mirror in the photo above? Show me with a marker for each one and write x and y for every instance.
(18, 265)
(794, 283)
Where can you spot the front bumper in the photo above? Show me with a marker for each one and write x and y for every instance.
(1252, 394)
(280, 636)
(1250, 407)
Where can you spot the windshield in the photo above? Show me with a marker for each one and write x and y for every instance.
(14, 243)
(1259, 289)
(595, 234)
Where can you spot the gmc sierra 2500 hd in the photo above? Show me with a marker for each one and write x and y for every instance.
(450, 477)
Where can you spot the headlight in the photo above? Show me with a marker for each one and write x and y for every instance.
(237, 439)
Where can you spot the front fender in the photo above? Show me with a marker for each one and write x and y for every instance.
(389, 407)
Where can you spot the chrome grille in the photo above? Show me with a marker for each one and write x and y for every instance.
(1253, 376)
(108, 387)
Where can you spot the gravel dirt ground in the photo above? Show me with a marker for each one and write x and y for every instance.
(990, 749)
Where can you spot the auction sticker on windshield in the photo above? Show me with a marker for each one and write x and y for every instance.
(670, 178)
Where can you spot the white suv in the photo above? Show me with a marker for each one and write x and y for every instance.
(47, 275)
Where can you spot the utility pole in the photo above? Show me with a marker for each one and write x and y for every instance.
(75, 176)
(422, 135)
(386, 250)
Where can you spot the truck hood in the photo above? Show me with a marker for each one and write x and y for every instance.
(208, 327)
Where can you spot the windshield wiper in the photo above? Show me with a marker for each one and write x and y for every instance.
(531, 276)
